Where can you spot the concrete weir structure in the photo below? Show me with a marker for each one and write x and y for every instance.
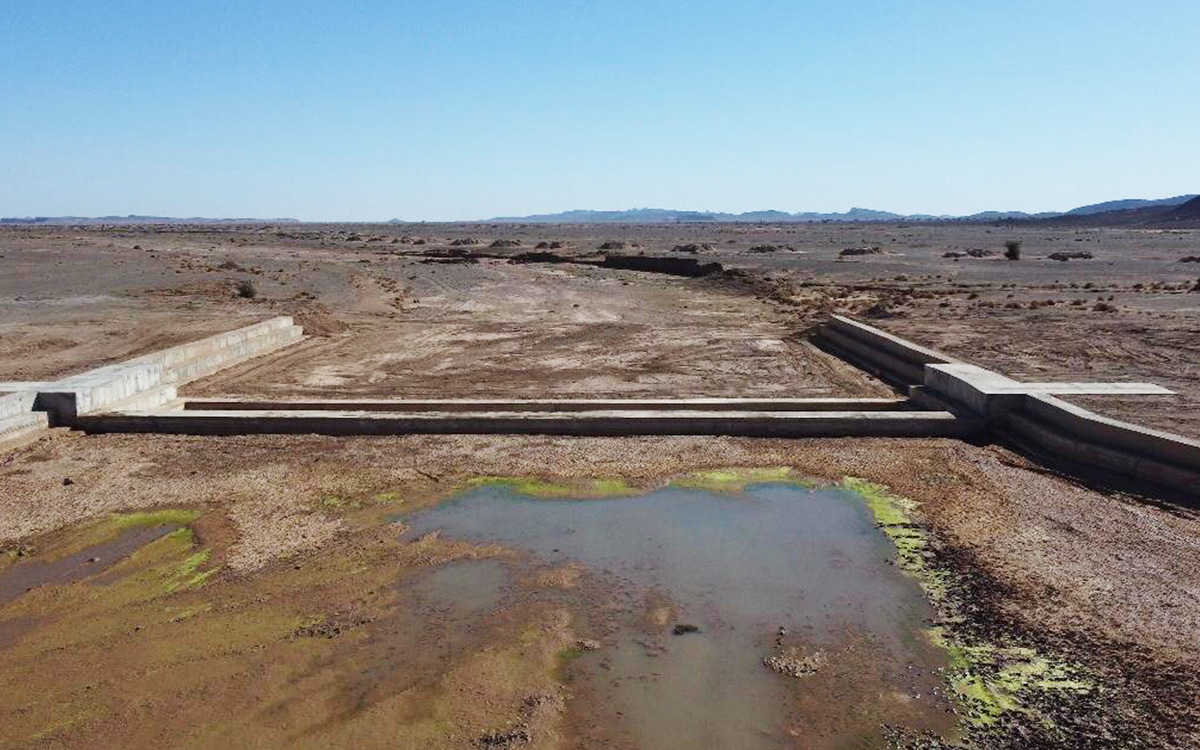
(943, 397)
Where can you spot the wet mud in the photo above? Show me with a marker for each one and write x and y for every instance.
(25, 576)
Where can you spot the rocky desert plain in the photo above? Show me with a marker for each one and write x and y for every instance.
(506, 591)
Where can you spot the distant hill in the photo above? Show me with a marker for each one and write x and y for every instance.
(1128, 203)
(1171, 213)
(1179, 211)
(671, 216)
(136, 219)
(663, 215)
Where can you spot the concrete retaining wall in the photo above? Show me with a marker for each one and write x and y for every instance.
(1021, 415)
(149, 381)
(889, 357)
(187, 362)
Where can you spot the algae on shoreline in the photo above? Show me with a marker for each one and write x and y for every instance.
(987, 679)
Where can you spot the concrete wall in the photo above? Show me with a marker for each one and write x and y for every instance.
(889, 357)
(1019, 414)
(150, 380)
(603, 423)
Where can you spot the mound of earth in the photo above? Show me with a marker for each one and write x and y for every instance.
(674, 266)
(864, 250)
(538, 257)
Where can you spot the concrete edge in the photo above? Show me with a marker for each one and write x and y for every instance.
(745, 424)
(547, 405)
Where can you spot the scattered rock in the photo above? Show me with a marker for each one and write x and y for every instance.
(464, 242)
(682, 628)
(553, 245)
(506, 243)
(772, 248)
(618, 245)
(793, 664)
(587, 645)
(1080, 255)
(1190, 259)
(511, 737)
(330, 628)
(691, 248)
(67, 481)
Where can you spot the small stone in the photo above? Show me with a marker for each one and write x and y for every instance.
(67, 481)
(684, 628)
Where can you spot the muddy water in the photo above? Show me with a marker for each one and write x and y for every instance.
(75, 567)
(777, 570)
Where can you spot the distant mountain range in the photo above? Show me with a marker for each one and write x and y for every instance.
(1164, 214)
(1127, 212)
(135, 219)
(670, 216)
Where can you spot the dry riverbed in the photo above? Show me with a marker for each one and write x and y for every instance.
(311, 592)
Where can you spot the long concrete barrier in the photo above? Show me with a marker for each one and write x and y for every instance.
(590, 423)
(546, 405)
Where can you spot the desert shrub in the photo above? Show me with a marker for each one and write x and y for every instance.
(246, 289)
(1012, 249)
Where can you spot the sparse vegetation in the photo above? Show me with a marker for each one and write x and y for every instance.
(1012, 249)
(246, 289)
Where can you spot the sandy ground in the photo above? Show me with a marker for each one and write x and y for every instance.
(1105, 580)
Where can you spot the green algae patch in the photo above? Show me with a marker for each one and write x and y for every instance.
(987, 679)
(115, 524)
(738, 479)
(541, 488)
(563, 660)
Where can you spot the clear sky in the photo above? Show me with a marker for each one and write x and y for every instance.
(464, 109)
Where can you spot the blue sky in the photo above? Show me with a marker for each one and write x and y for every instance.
(464, 109)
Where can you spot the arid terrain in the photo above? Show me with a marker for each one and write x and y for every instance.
(267, 591)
